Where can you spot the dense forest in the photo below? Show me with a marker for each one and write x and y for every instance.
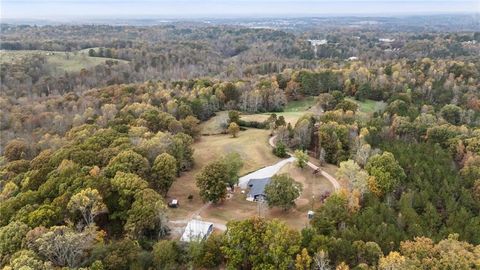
(89, 155)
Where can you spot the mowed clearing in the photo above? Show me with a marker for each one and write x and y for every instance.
(369, 106)
(60, 62)
(253, 146)
(292, 111)
(216, 124)
(237, 208)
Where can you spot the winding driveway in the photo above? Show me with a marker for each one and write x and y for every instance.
(330, 178)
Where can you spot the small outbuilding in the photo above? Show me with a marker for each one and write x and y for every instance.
(257, 189)
(173, 203)
(197, 230)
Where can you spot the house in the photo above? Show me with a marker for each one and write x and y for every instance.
(386, 40)
(317, 42)
(257, 189)
(197, 230)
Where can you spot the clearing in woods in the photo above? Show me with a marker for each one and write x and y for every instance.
(252, 145)
(216, 124)
(369, 106)
(292, 111)
(59, 62)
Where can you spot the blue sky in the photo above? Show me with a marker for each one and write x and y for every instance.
(65, 9)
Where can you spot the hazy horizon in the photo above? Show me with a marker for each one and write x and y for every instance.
(111, 9)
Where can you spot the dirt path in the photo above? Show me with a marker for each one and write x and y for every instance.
(330, 178)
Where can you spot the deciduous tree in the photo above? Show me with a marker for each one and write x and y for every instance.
(212, 181)
(301, 158)
(386, 172)
(147, 216)
(164, 171)
(233, 129)
(89, 203)
(282, 191)
(260, 244)
(355, 176)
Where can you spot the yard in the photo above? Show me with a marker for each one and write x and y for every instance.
(253, 146)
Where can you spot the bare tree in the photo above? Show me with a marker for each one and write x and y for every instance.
(321, 261)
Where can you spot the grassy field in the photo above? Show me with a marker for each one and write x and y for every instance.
(369, 106)
(60, 62)
(256, 154)
(215, 125)
(292, 112)
(290, 117)
(299, 105)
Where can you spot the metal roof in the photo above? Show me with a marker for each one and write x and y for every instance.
(196, 230)
(257, 186)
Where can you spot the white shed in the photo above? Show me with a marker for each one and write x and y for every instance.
(197, 230)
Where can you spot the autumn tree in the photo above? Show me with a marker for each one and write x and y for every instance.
(261, 244)
(280, 150)
(321, 261)
(88, 203)
(303, 261)
(66, 247)
(303, 131)
(212, 181)
(301, 158)
(190, 126)
(27, 259)
(129, 162)
(355, 176)
(282, 191)
(234, 116)
(452, 114)
(166, 254)
(233, 129)
(233, 162)
(280, 121)
(164, 171)
(332, 215)
(15, 150)
(126, 185)
(334, 140)
(147, 216)
(386, 174)
(12, 236)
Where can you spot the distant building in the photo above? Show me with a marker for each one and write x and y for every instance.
(386, 40)
(196, 230)
(353, 58)
(316, 42)
(257, 189)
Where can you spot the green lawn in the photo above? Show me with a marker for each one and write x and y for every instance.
(60, 62)
(299, 105)
(369, 106)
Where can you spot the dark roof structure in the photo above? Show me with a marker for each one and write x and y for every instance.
(257, 187)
